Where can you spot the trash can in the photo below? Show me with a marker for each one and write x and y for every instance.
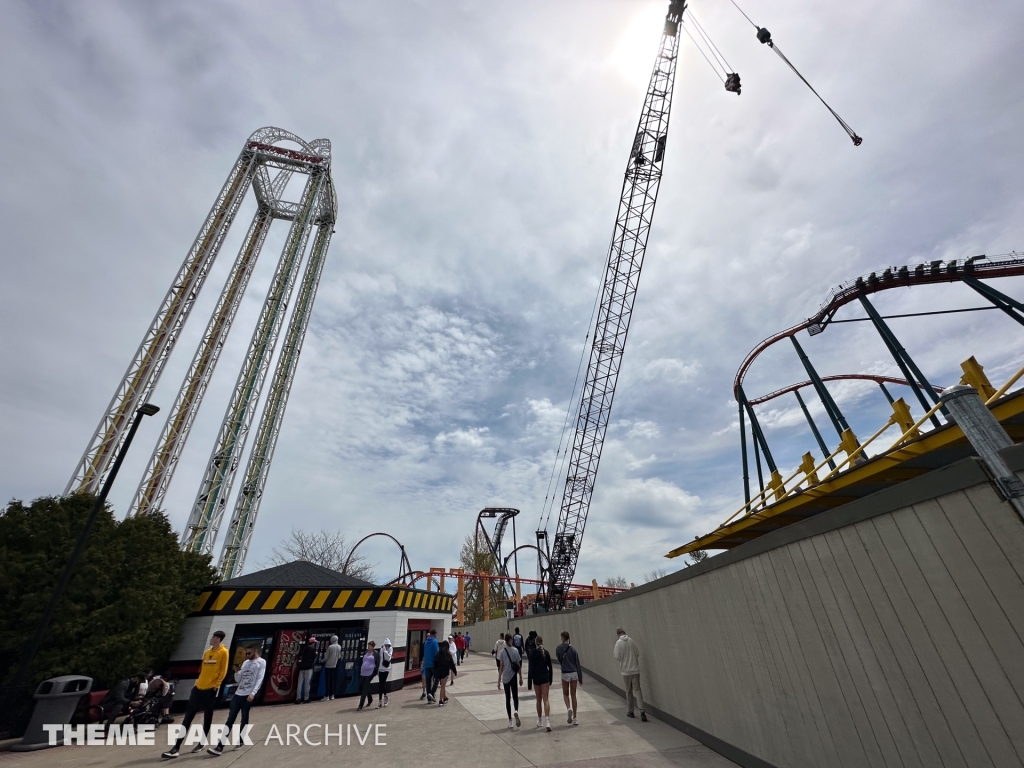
(56, 701)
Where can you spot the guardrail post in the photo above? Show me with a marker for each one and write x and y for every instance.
(987, 437)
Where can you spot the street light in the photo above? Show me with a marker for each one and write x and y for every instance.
(146, 409)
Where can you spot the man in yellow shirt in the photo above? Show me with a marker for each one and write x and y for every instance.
(204, 693)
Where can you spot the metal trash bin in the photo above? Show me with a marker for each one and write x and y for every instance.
(56, 701)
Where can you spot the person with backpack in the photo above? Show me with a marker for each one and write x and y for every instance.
(627, 654)
(541, 674)
(517, 641)
(572, 675)
(510, 664)
(367, 669)
(529, 646)
(444, 666)
(386, 652)
(331, 657)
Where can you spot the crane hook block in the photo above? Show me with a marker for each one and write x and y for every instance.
(764, 35)
(732, 83)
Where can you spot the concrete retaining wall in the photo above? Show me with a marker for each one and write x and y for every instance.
(887, 632)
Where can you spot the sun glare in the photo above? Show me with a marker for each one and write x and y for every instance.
(634, 54)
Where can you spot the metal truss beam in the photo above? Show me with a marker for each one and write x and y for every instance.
(247, 504)
(211, 500)
(155, 482)
(144, 371)
(618, 293)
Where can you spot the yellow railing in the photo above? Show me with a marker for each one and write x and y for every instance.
(973, 375)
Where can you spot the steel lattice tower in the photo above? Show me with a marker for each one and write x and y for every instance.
(618, 292)
(260, 157)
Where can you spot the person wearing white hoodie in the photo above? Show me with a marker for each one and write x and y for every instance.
(386, 652)
(627, 654)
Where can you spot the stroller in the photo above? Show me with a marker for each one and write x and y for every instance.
(150, 711)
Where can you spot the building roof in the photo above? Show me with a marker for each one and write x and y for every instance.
(296, 574)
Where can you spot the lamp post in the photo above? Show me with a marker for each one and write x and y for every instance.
(146, 409)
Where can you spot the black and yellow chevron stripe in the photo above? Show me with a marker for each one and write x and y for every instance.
(217, 601)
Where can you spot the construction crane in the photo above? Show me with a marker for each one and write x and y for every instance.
(614, 311)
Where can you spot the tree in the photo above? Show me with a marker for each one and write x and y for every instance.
(616, 581)
(476, 558)
(329, 549)
(656, 574)
(698, 556)
(127, 600)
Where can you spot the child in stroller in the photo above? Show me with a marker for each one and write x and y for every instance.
(155, 706)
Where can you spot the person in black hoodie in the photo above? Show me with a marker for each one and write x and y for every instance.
(307, 658)
(541, 673)
(444, 665)
(530, 645)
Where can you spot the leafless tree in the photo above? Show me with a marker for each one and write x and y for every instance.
(699, 556)
(616, 581)
(656, 574)
(329, 549)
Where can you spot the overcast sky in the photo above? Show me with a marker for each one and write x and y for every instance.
(478, 154)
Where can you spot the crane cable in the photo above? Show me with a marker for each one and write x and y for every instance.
(719, 65)
(765, 37)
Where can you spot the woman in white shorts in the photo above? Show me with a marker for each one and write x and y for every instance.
(572, 675)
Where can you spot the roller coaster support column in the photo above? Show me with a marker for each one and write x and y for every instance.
(776, 478)
(886, 393)
(460, 595)
(988, 438)
(486, 584)
(814, 428)
(834, 414)
(743, 453)
(997, 298)
(911, 372)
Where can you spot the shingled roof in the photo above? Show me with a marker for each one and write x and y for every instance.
(296, 574)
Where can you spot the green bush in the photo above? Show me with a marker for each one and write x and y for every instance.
(128, 597)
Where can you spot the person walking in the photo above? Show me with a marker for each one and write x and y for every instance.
(444, 669)
(203, 697)
(541, 674)
(367, 669)
(454, 654)
(572, 675)
(307, 658)
(250, 678)
(460, 647)
(386, 652)
(627, 654)
(467, 641)
(529, 646)
(430, 650)
(517, 642)
(510, 663)
(331, 656)
(498, 646)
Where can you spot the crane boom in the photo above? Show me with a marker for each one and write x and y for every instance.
(618, 292)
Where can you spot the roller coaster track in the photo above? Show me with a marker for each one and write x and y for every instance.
(838, 377)
(1007, 265)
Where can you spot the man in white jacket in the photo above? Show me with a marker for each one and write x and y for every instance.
(627, 654)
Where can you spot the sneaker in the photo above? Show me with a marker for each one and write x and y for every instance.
(643, 716)
(359, 708)
(170, 753)
(511, 727)
(423, 696)
(238, 747)
(197, 748)
(540, 722)
(216, 751)
(385, 699)
(575, 721)
(568, 717)
(430, 698)
(380, 704)
(547, 724)
(518, 721)
(630, 714)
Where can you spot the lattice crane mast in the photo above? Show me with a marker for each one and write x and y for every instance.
(618, 292)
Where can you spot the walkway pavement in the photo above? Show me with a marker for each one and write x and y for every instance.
(471, 731)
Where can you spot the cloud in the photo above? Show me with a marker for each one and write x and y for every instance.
(478, 157)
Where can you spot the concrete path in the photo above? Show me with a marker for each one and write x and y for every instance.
(471, 731)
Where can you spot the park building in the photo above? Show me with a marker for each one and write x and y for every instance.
(279, 608)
